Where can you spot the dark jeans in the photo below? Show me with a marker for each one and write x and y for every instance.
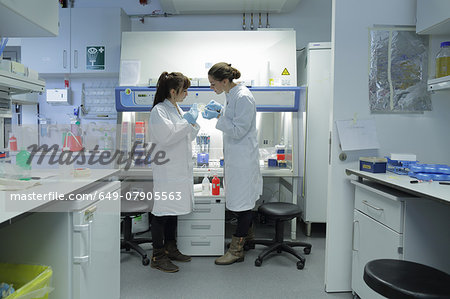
(164, 228)
(244, 221)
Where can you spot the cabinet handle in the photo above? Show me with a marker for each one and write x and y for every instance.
(202, 210)
(200, 226)
(373, 207)
(79, 229)
(75, 59)
(65, 59)
(353, 235)
(193, 243)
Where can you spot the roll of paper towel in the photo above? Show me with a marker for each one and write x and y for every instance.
(197, 188)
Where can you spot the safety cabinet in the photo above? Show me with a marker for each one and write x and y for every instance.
(202, 232)
(79, 30)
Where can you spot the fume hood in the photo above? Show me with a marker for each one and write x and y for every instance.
(229, 6)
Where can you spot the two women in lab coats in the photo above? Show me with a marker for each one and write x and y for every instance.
(173, 195)
(242, 177)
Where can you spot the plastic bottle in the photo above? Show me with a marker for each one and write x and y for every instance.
(215, 185)
(22, 162)
(205, 185)
(443, 60)
(12, 143)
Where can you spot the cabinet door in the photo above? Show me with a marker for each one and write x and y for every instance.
(371, 240)
(49, 54)
(98, 238)
(95, 27)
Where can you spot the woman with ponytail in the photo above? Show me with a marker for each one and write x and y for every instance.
(243, 180)
(172, 132)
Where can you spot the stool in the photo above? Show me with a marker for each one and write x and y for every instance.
(280, 212)
(405, 279)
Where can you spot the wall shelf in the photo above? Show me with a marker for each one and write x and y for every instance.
(439, 83)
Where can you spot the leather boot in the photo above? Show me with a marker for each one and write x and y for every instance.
(173, 253)
(161, 261)
(250, 237)
(234, 254)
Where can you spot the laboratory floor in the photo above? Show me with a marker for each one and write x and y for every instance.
(278, 276)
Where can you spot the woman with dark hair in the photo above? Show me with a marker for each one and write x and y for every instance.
(243, 180)
(172, 132)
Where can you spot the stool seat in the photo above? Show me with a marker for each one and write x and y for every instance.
(280, 210)
(405, 279)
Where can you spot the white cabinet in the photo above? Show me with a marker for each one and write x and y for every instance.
(314, 65)
(82, 246)
(202, 232)
(433, 17)
(378, 228)
(80, 29)
(24, 18)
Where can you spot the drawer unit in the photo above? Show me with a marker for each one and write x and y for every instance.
(201, 245)
(200, 227)
(384, 207)
(202, 232)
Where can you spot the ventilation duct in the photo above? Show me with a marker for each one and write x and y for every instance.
(227, 6)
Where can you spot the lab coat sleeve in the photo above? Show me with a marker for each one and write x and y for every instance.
(194, 131)
(164, 130)
(241, 122)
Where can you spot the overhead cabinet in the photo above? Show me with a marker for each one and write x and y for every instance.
(433, 17)
(88, 42)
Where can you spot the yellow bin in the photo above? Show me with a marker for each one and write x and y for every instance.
(29, 281)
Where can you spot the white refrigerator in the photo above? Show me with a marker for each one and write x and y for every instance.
(314, 72)
(82, 246)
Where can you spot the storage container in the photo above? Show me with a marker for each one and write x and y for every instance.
(29, 281)
(443, 60)
(372, 164)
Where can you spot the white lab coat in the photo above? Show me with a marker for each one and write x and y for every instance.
(243, 180)
(172, 134)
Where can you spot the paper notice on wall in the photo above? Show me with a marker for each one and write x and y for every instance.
(130, 72)
(358, 134)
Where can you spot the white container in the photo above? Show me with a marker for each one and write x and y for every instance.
(206, 186)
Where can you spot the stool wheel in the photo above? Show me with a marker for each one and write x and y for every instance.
(258, 262)
(307, 250)
(145, 261)
(300, 265)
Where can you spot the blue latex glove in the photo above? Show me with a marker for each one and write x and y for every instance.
(213, 105)
(192, 115)
(209, 114)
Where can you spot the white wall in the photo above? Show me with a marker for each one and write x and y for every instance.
(311, 19)
(423, 134)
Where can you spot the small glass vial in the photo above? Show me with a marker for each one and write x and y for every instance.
(443, 60)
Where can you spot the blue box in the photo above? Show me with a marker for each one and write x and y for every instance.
(373, 164)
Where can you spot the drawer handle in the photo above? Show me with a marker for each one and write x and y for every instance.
(202, 210)
(193, 243)
(373, 207)
(200, 226)
(353, 234)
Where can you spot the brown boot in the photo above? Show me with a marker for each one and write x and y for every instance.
(173, 253)
(161, 261)
(234, 254)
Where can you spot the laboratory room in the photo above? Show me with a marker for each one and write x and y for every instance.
(224, 149)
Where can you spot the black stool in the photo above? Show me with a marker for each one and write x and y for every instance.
(405, 279)
(280, 212)
(132, 208)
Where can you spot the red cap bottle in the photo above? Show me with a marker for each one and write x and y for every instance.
(215, 185)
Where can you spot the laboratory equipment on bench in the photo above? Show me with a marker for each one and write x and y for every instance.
(443, 60)
(215, 185)
(205, 184)
(203, 142)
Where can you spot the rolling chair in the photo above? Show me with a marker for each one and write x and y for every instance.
(280, 212)
(128, 209)
(405, 279)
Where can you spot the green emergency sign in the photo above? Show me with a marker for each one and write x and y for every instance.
(95, 58)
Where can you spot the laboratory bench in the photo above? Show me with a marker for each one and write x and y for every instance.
(397, 219)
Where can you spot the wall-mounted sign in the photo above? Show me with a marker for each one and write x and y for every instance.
(95, 58)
